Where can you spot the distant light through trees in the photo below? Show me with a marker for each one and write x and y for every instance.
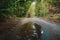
(31, 9)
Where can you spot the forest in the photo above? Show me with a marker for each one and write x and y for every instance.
(20, 8)
(29, 19)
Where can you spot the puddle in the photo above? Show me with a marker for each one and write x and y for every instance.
(29, 31)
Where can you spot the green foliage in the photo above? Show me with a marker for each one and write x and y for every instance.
(14, 7)
(54, 2)
(4, 12)
(57, 16)
(19, 8)
(42, 8)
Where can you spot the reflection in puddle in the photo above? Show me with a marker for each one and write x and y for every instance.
(29, 31)
(42, 32)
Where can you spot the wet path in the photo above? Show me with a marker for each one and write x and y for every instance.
(51, 31)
